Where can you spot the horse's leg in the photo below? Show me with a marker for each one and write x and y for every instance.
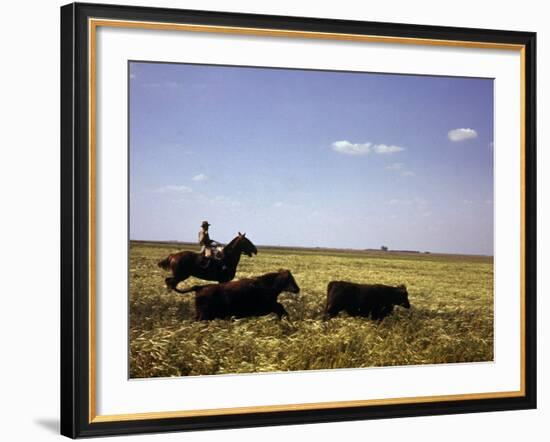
(178, 277)
(172, 282)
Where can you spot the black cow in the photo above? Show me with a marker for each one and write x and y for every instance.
(376, 300)
(245, 297)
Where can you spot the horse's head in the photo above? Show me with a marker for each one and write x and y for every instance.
(245, 246)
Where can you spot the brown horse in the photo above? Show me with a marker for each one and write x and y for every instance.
(186, 264)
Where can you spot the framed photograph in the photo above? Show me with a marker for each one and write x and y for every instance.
(274, 220)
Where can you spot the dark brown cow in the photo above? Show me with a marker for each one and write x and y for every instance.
(245, 297)
(374, 300)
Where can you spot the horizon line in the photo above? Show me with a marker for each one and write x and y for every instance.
(363, 249)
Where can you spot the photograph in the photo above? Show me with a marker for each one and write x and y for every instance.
(283, 220)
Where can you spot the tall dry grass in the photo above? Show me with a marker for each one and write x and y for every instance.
(450, 320)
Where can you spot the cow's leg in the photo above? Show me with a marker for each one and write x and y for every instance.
(331, 311)
(279, 310)
(201, 315)
(170, 283)
(379, 313)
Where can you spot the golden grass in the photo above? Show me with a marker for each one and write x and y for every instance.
(450, 320)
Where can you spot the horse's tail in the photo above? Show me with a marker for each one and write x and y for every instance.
(195, 288)
(165, 263)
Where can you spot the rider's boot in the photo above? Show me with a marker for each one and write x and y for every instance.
(204, 262)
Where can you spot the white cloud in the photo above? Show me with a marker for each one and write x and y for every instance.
(408, 173)
(385, 149)
(395, 166)
(468, 202)
(174, 189)
(461, 134)
(347, 148)
(278, 204)
(200, 177)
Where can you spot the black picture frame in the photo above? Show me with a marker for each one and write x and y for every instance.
(75, 221)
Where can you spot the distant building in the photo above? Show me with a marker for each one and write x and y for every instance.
(384, 248)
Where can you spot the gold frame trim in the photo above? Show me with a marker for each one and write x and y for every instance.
(93, 24)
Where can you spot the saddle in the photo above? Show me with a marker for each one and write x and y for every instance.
(215, 257)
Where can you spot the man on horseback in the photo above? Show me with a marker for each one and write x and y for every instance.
(209, 247)
(187, 263)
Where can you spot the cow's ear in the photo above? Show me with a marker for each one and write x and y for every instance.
(239, 233)
(244, 234)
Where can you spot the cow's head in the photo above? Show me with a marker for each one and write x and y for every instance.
(289, 283)
(403, 299)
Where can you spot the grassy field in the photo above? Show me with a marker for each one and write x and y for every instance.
(450, 320)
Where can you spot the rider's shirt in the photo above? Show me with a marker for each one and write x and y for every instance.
(204, 240)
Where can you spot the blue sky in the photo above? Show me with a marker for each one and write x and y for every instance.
(311, 158)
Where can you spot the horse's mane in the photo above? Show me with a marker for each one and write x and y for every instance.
(231, 244)
(241, 240)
